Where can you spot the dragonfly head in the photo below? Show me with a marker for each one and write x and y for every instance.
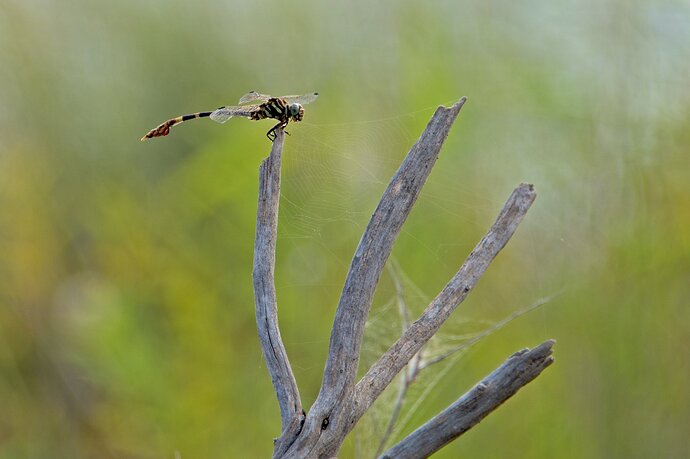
(296, 111)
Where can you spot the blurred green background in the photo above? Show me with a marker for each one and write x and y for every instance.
(126, 306)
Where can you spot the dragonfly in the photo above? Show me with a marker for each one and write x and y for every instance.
(252, 105)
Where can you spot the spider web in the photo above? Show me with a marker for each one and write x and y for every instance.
(333, 178)
(379, 429)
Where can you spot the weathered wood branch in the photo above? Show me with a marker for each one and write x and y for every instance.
(372, 253)
(420, 332)
(341, 402)
(265, 292)
(519, 370)
(327, 424)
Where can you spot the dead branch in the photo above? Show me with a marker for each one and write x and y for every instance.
(329, 420)
(341, 402)
(265, 292)
(520, 369)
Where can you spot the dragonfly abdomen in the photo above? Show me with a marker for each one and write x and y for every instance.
(163, 129)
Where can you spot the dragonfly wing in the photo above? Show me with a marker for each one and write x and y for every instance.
(252, 96)
(302, 100)
(223, 114)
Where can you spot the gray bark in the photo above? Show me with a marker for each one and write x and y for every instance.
(341, 402)
(274, 352)
(520, 369)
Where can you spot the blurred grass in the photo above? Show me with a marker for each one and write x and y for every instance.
(126, 317)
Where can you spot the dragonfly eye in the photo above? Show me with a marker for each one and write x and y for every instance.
(296, 111)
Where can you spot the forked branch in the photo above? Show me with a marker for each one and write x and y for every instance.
(328, 420)
(341, 403)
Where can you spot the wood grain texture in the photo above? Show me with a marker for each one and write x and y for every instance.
(519, 370)
(272, 346)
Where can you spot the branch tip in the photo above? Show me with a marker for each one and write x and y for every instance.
(516, 372)
(460, 102)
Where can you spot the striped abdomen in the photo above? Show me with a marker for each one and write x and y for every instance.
(275, 108)
(164, 128)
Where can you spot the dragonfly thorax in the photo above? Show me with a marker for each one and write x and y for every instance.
(296, 111)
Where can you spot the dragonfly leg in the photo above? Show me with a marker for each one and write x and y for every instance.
(271, 134)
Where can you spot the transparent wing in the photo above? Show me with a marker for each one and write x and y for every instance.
(252, 96)
(225, 113)
(302, 100)
(221, 115)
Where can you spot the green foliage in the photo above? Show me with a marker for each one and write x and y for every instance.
(126, 307)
